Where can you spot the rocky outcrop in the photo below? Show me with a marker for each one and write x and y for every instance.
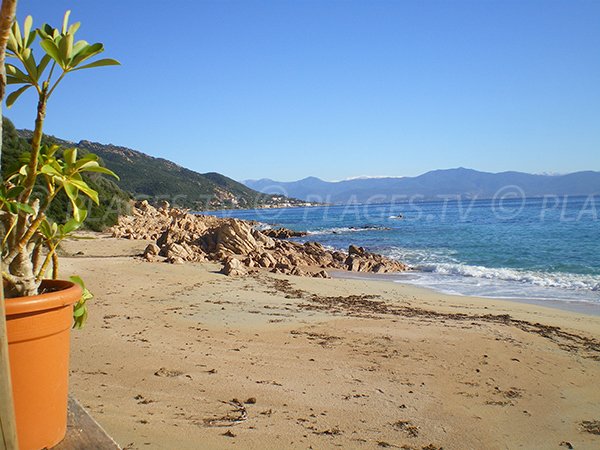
(183, 237)
(241, 238)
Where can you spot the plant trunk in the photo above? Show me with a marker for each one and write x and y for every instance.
(22, 268)
(8, 429)
(18, 260)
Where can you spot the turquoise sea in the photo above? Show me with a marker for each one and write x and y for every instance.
(539, 249)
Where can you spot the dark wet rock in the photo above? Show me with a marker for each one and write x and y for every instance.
(282, 233)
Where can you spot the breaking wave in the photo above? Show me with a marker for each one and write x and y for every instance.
(543, 279)
(344, 230)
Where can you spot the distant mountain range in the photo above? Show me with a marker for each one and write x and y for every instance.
(145, 177)
(432, 185)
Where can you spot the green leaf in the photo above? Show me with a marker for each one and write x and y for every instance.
(12, 44)
(15, 95)
(77, 280)
(76, 212)
(66, 47)
(78, 47)
(99, 169)
(11, 207)
(14, 71)
(50, 150)
(43, 63)
(45, 31)
(46, 229)
(31, 66)
(79, 209)
(83, 187)
(87, 52)
(70, 155)
(79, 322)
(14, 191)
(83, 212)
(30, 39)
(49, 169)
(80, 313)
(86, 294)
(13, 80)
(27, 25)
(66, 21)
(100, 63)
(73, 28)
(17, 33)
(15, 76)
(85, 163)
(51, 49)
(70, 226)
(28, 34)
(90, 158)
(25, 208)
(72, 193)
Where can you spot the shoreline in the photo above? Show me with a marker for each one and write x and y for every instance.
(575, 306)
(179, 354)
(564, 290)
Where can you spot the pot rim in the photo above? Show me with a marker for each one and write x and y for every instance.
(67, 294)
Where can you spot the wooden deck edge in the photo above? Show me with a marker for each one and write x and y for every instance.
(84, 432)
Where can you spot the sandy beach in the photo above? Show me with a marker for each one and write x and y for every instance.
(182, 357)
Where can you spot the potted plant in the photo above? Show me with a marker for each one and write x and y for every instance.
(40, 309)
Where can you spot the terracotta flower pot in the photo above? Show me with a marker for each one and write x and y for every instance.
(38, 345)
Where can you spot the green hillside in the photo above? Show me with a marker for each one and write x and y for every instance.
(157, 179)
(145, 177)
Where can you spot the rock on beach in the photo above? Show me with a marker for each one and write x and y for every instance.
(181, 237)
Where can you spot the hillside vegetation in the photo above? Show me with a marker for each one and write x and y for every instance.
(159, 179)
(114, 201)
(142, 177)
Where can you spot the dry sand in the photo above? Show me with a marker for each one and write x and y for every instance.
(181, 357)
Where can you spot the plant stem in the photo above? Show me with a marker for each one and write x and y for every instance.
(36, 258)
(25, 239)
(11, 224)
(36, 142)
(10, 278)
(62, 75)
(49, 257)
(29, 230)
(54, 266)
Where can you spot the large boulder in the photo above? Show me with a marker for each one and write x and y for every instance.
(152, 249)
(240, 238)
(359, 260)
(234, 267)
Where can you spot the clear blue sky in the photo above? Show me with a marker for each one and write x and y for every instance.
(287, 89)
